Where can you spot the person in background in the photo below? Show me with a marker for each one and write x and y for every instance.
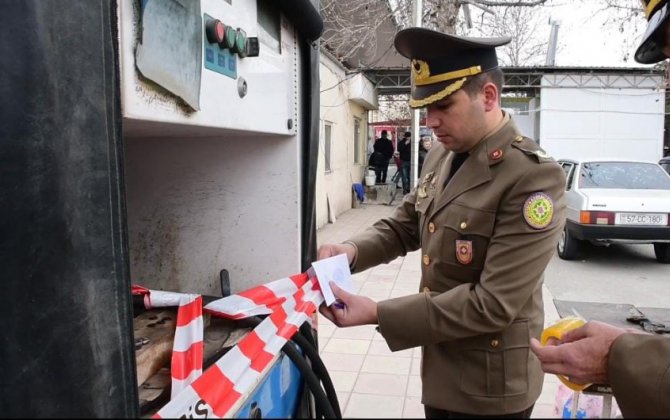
(405, 156)
(486, 214)
(383, 151)
(424, 147)
(371, 147)
(636, 365)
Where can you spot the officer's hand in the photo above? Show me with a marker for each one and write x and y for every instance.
(330, 250)
(350, 309)
(582, 354)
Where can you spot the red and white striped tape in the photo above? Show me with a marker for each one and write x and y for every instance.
(187, 349)
(290, 302)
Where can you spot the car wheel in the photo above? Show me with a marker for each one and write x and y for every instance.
(568, 245)
(662, 251)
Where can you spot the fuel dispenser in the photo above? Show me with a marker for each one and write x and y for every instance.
(164, 143)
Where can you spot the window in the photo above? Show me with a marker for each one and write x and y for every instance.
(569, 174)
(327, 144)
(358, 147)
(624, 175)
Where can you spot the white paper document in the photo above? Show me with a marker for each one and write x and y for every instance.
(335, 269)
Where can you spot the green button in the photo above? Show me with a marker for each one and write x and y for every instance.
(241, 43)
(231, 35)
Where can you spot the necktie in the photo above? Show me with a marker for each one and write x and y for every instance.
(456, 163)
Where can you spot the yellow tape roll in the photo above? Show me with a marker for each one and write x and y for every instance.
(556, 331)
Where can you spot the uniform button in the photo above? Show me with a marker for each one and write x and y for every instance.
(518, 139)
(431, 227)
(464, 225)
(495, 343)
(426, 260)
(426, 289)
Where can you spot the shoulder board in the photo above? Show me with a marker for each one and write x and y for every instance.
(529, 147)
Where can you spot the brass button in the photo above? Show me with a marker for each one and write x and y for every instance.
(464, 225)
(426, 260)
(495, 343)
(518, 139)
(431, 227)
(426, 289)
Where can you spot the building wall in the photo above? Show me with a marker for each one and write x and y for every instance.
(592, 119)
(524, 112)
(334, 187)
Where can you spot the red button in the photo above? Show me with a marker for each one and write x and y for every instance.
(215, 30)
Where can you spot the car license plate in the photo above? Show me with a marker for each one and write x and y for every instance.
(649, 219)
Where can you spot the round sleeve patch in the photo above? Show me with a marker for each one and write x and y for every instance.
(538, 210)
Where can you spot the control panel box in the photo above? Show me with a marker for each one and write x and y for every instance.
(233, 66)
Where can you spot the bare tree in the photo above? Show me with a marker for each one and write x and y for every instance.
(627, 16)
(392, 108)
(527, 27)
(353, 27)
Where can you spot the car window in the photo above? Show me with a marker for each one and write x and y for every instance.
(568, 168)
(629, 175)
(666, 166)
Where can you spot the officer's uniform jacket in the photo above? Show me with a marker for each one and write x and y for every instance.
(485, 241)
(639, 372)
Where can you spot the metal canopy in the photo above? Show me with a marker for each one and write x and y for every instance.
(528, 80)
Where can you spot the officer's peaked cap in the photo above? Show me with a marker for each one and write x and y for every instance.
(651, 49)
(441, 63)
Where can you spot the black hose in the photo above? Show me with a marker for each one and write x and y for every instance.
(306, 330)
(319, 369)
(327, 405)
(320, 398)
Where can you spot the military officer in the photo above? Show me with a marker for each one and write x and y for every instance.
(637, 366)
(486, 214)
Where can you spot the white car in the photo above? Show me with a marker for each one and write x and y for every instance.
(665, 163)
(612, 201)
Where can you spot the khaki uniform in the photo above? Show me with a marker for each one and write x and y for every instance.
(639, 371)
(482, 271)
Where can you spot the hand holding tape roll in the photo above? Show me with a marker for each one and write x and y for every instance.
(556, 331)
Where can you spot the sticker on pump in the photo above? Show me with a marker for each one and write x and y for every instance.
(335, 269)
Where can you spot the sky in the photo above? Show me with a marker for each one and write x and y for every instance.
(586, 37)
(584, 41)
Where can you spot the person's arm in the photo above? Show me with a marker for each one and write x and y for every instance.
(636, 365)
(383, 242)
(389, 150)
(639, 372)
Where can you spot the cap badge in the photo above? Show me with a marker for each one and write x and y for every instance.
(421, 70)
(538, 210)
(496, 154)
(464, 251)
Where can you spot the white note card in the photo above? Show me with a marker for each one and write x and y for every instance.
(335, 269)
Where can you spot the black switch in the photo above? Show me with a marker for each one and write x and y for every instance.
(253, 49)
